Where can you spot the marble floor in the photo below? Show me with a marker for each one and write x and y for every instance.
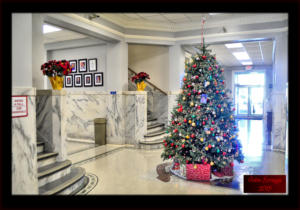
(125, 170)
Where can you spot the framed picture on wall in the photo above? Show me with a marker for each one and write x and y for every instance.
(78, 80)
(98, 79)
(88, 80)
(73, 65)
(93, 64)
(69, 81)
(82, 63)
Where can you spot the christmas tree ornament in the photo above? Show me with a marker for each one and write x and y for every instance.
(224, 153)
(213, 122)
(189, 94)
(222, 110)
(209, 146)
(182, 145)
(183, 98)
(195, 166)
(203, 123)
(192, 104)
(184, 79)
(194, 66)
(172, 144)
(185, 120)
(187, 137)
(231, 164)
(190, 121)
(218, 150)
(206, 148)
(203, 57)
(175, 130)
(209, 68)
(193, 124)
(193, 116)
(196, 77)
(199, 107)
(211, 163)
(217, 92)
(201, 139)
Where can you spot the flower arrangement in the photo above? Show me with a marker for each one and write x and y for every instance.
(54, 68)
(140, 77)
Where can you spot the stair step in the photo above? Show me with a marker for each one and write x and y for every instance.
(156, 133)
(151, 123)
(148, 145)
(157, 129)
(61, 185)
(46, 158)
(53, 172)
(40, 143)
(155, 125)
(151, 119)
(85, 181)
(154, 138)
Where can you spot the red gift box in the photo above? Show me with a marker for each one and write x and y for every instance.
(200, 173)
(227, 171)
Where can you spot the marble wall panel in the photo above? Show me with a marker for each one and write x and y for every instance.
(24, 149)
(140, 117)
(279, 108)
(81, 110)
(129, 115)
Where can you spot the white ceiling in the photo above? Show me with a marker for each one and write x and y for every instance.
(62, 35)
(260, 53)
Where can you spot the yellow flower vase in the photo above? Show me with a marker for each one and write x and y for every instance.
(57, 82)
(141, 86)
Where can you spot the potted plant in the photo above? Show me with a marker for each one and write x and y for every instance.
(55, 70)
(139, 80)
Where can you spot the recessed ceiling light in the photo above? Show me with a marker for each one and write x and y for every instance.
(213, 13)
(247, 63)
(234, 45)
(49, 29)
(241, 55)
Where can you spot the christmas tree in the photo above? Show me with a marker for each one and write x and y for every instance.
(203, 129)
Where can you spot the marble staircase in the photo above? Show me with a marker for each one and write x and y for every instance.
(155, 134)
(58, 177)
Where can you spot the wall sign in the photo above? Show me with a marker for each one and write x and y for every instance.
(19, 106)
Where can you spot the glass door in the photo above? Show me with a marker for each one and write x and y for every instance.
(249, 94)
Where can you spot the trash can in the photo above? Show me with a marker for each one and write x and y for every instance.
(100, 131)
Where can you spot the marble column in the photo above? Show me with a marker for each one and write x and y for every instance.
(279, 100)
(51, 121)
(24, 149)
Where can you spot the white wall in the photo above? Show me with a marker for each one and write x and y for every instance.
(98, 51)
(152, 59)
(22, 50)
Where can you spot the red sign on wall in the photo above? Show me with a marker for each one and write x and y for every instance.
(19, 106)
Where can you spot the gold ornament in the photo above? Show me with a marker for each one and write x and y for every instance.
(183, 98)
(183, 141)
(195, 166)
(211, 163)
(222, 110)
(207, 108)
(185, 74)
(231, 116)
(202, 139)
(190, 121)
(193, 124)
(187, 137)
(206, 148)
(192, 104)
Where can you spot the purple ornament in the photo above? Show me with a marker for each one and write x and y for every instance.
(217, 66)
(194, 91)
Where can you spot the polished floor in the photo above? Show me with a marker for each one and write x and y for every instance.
(125, 170)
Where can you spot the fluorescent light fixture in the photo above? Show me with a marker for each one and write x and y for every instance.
(241, 55)
(213, 13)
(234, 45)
(247, 63)
(49, 29)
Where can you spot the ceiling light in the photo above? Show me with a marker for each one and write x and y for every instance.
(213, 13)
(247, 63)
(234, 45)
(241, 55)
(49, 29)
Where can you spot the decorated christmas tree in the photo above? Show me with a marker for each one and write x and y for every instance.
(203, 129)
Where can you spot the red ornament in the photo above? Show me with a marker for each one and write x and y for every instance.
(204, 57)
(189, 94)
(175, 130)
(224, 153)
(166, 144)
(224, 135)
(209, 68)
(184, 79)
(203, 123)
(209, 146)
(164, 140)
(194, 66)
(182, 146)
(172, 144)
(180, 109)
(187, 161)
(206, 119)
(179, 123)
(176, 146)
(231, 164)
(193, 135)
(173, 122)
(211, 129)
(185, 120)
(170, 156)
(217, 91)
(199, 107)
(219, 105)
(189, 86)
(197, 77)
(213, 122)
(199, 93)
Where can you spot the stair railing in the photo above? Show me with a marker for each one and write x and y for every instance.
(155, 87)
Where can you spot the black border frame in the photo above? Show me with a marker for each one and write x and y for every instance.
(72, 81)
(86, 65)
(76, 66)
(84, 84)
(96, 64)
(75, 80)
(95, 79)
